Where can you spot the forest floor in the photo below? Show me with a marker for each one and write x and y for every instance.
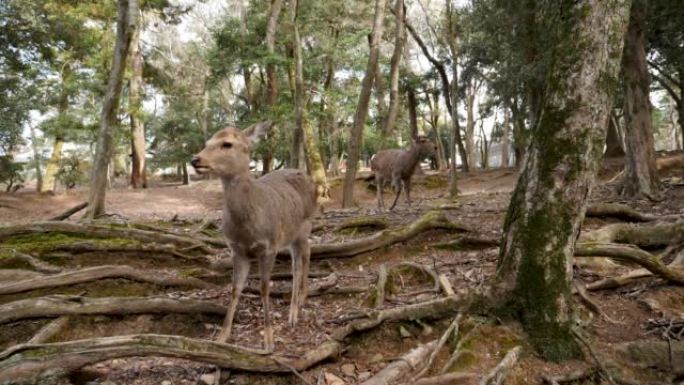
(636, 311)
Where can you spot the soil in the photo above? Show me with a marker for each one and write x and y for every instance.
(481, 206)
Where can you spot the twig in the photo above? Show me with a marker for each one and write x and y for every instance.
(498, 375)
(452, 329)
(50, 330)
(69, 212)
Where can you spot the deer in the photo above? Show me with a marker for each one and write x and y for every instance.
(260, 217)
(397, 166)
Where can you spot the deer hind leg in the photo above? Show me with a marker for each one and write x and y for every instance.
(266, 262)
(240, 272)
(380, 185)
(301, 254)
(397, 186)
(407, 187)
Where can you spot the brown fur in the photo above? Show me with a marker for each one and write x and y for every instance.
(260, 217)
(398, 166)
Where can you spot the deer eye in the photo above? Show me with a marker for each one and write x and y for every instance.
(227, 145)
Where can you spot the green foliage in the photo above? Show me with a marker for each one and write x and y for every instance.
(10, 173)
(72, 171)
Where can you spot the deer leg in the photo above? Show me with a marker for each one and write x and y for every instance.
(301, 254)
(266, 262)
(407, 187)
(240, 272)
(380, 184)
(398, 186)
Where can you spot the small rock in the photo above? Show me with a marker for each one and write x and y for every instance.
(376, 358)
(363, 376)
(107, 382)
(348, 370)
(404, 333)
(331, 379)
(208, 378)
(166, 382)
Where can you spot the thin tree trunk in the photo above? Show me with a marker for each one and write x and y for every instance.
(50, 181)
(126, 22)
(470, 123)
(534, 272)
(246, 73)
(36, 159)
(434, 121)
(680, 104)
(313, 156)
(399, 43)
(452, 105)
(356, 138)
(138, 169)
(412, 111)
(613, 142)
(640, 177)
(506, 138)
(380, 96)
(271, 75)
(519, 135)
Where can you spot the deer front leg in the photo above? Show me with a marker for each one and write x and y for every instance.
(407, 187)
(301, 253)
(398, 185)
(266, 262)
(240, 272)
(379, 183)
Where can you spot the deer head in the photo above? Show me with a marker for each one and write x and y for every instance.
(226, 153)
(425, 146)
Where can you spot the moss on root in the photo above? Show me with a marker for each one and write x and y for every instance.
(41, 244)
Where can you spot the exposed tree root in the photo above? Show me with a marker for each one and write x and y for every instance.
(445, 285)
(361, 222)
(498, 375)
(426, 270)
(458, 350)
(667, 356)
(88, 247)
(100, 272)
(59, 305)
(380, 287)
(649, 235)
(451, 330)
(620, 211)
(325, 286)
(634, 255)
(591, 304)
(467, 242)
(446, 379)
(432, 220)
(576, 375)
(103, 231)
(669, 162)
(35, 263)
(402, 367)
(49, 330)
(69, 212)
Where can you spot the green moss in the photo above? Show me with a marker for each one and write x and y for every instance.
(41, 243)
(435, 181)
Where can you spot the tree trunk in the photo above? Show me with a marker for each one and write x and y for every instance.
(434, 121)
(356, 138)
(313, 155)
(452, 106)
(680, 105)
(506, 138)
(519, 136)
(138, 169)
(36, 159)
(125, 23)
(380, 96)
(185, 176)
(49, 181)
(470, 123)
(412, 110)
(271, 76)
(640, 177)
(613, 142)
(399, 43)
(534, 272)
(246, 73)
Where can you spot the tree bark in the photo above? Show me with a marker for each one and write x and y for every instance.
(506, 138)
(271, 75)
(395, 62)
(640, 177)
(135, 85)
(534, 271)
(36, 158)
(356, 137)
(313, 155)
(126, 22)
(451, 96)
(613, 141)
(470, 123)
(49, 182)
(412, 105)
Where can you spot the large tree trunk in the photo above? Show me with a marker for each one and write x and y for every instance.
(50, 181)
(313, 155)
(271, 75)
(519, 135)
(135, 85)
(125, 23)
(399, 42)
(640, 177)
(434, 121)
(506, 138)
(534, 272)
(356, 138)
(412, 105)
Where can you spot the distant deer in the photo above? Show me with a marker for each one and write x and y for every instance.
(260, 217)
(398, 166)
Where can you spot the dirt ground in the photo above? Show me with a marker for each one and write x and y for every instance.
(481, 207)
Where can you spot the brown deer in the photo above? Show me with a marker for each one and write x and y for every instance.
(397, 166)
(260, 217)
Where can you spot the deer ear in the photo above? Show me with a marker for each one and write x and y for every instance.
(258, 131)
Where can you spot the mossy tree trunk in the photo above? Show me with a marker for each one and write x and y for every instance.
(135, 87)
(640, 177)
(126, 22)
(49, 181)
(534, 272)
(356, 138)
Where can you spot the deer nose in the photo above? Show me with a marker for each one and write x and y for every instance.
(194, 161)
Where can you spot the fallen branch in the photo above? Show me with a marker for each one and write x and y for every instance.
(360, 222)
(100, 272)
(631, 254)
(446, 379)
(48, 331)
(451, 330)
(60, 305)
(380, 287)
(69, 212)
(35, 263)
(432, 220)
(403, 366)
(498, 375)
(445, 285)
(653, 234)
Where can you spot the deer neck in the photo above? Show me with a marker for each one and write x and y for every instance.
(237, 190)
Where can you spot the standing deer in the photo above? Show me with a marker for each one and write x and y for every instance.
(260, 217)
(397, 166)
